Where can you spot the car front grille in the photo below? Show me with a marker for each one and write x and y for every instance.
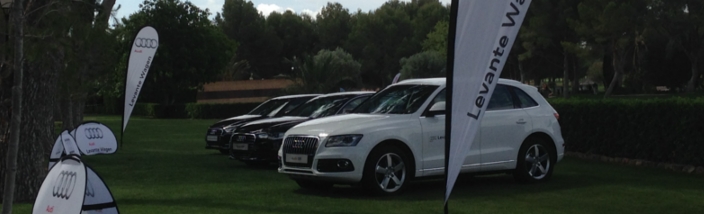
(300, 145)
(243, 138)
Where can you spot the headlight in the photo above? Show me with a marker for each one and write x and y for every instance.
(276, 135)
(230, 129)
(343, 140)
(260, 133)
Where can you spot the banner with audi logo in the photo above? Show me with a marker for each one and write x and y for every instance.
(95, 138)
(63, 189)
(98, 196)
(69, 144)
(56, 152)
(142, 53)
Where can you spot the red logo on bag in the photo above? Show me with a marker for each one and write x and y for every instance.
(91, 144)
(138, 51)
(49, 209)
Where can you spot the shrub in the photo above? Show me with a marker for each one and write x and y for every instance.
(663, 130)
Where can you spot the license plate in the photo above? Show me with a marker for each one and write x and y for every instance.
(294, 158)
(239, 146)
(212, 138)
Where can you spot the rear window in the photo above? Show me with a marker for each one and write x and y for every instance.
(501, 99)
(525, 100)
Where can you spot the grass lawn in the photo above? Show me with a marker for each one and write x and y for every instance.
(164, 168)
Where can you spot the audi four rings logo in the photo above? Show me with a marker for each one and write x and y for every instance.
(64, 184)
(297, 144)
(93, 133)
(146, 43)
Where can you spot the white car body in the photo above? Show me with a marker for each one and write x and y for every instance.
(495, 148)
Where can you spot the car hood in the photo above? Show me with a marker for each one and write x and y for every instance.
(234, 120)
(348, 124)
(266, 123)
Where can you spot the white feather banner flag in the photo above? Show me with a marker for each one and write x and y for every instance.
(143, 49)
(481, 35)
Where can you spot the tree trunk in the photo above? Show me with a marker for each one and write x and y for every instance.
(575, 76)
(565, 75)
(66, 114)
(13, 150)
(521, 71)
(618, 72)
(692, 83)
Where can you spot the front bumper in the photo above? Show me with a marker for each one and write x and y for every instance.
(216, 138)
(317, 165)
(247, 147)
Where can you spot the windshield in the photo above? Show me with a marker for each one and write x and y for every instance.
(320, 107)
(267, 107)
(398, 99)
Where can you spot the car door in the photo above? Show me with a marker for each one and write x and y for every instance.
(503, 128)
(434, 143)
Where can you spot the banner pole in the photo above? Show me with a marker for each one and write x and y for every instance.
(448, 93)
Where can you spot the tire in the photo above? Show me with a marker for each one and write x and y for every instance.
(536, 161)
(382, 178)
(314, 185)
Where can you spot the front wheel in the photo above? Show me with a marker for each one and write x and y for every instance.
(535, 161)
(386, 171)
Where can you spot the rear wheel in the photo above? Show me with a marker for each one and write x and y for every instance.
(535, 161)
(386, 171)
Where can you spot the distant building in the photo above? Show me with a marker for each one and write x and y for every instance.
(244, 91)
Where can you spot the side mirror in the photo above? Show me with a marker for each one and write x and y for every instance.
(436, 109)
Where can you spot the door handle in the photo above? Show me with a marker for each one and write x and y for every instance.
(521, 121)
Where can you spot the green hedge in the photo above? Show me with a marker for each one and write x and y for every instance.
(218, 111)
(188, 110)
(664, 130)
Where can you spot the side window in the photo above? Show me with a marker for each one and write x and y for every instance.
(353, 104)
(501, 99)
(440, 97)
(526, 100)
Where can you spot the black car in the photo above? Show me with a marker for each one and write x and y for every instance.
(218, 134)
(258, 142)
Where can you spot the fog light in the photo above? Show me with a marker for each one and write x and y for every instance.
(343, 164)
(335, 165)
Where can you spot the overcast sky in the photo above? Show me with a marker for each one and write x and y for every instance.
(267, 6)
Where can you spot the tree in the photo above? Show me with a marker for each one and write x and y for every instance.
(333, 25)
(296, 34)
(379, 40)
(437, 39)
(85, 61)
(614, 25)
(325, 72)
(683, 22)
(425, 64)
(38, 35)
(192, 51)
(259, 45)
(546, 34)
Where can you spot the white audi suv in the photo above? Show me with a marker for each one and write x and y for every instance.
(399, 134)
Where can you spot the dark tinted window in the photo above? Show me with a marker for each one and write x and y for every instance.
(501, 99)
(320, 107)
(292, 104)
(268, 106)
(397, 99)
(525, 100)
(353, 104)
